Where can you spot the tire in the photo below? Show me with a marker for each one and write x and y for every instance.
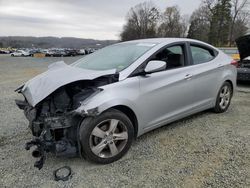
(225, 94)
(107, 138)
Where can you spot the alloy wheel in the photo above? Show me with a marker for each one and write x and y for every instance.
(225, 96)
(108, 138)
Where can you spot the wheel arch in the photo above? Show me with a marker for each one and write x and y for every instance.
(131, 115)
(232, 85)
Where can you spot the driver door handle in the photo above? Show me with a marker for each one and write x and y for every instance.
(188, 76)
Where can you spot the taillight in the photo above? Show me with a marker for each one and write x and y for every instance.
(235, 63)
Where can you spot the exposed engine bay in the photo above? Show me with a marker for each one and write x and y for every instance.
(53, 122)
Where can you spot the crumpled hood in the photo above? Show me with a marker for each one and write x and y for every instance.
(58, 75)
(243, 44)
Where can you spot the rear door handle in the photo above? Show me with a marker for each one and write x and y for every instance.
(188, 76)
(220, 65)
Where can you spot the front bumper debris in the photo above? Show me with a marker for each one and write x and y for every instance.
(43, 146)
(39, 152)
(52, 133)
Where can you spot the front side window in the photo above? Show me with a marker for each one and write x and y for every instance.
(118, 56)
(173, 56)
(201, 55)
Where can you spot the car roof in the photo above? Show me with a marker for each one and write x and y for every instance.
(163, 40)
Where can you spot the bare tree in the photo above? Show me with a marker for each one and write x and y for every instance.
(185, 19)
(220, 21)
(210, 4)
(172, 24)
(200, 24)
(141, 22)
(239, 15)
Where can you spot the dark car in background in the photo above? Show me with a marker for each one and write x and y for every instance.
(33, 52)
(90, 50)
(70, 52)
(243, 69)
(56, 53)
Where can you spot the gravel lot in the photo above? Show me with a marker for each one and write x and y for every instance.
(205, 150)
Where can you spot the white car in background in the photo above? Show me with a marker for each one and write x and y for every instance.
(82, 52)
(19, 53)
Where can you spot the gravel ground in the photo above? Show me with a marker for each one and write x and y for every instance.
(204, 150)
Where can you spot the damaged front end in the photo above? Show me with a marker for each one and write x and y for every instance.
(53, 121)
(54, 131)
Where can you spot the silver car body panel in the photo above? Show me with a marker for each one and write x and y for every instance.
(156, 99)
(163, 97)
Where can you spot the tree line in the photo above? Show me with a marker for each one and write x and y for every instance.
(218, 22)
(52, 42)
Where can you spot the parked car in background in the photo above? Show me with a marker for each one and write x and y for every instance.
(4, 51)
(71, 52)
(243, 70)
(32, 52)
(56, 53)
(49, 52)
(90, 50)
(20, 53)
(233, 52)
(96, 106)
(81, 52)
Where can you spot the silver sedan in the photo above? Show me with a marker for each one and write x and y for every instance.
(98, 105)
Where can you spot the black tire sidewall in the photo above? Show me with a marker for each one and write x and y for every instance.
(90, 123)
(217, 107)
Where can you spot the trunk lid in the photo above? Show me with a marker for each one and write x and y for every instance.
(243, 44)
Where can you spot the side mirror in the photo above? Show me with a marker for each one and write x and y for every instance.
(155, 66)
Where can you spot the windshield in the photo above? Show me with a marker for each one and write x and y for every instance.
(118, 56)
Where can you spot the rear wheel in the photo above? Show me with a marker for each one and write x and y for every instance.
(107, 137)
(224, 98)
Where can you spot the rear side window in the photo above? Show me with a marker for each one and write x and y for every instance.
(201, 55)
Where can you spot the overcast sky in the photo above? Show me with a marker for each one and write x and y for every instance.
(97, 19)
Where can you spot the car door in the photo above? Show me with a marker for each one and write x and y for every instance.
(205, 74)
(167, 94)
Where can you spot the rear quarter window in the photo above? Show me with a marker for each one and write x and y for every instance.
(201, 54)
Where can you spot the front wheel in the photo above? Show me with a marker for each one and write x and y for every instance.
(107, 137)
(223, 98)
